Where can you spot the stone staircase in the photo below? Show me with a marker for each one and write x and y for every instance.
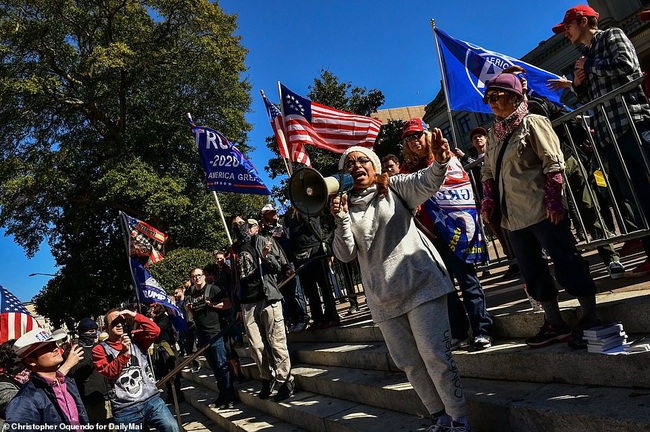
(346, 380)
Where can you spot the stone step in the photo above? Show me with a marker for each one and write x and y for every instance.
(244, 418)
(192, 419)
(631, 308)
(493, 405)
(341, 399)
(304, 410)
(506, 360)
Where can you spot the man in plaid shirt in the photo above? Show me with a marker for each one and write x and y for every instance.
(609, 61)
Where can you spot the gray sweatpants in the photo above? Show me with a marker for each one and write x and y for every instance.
(419, 343)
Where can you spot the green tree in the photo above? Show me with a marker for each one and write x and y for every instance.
(389, 139)
(177, 265)
(327, 90)
(93, 96)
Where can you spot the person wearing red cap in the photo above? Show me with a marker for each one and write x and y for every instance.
(522, 181)
(608, 62)
(418, 154)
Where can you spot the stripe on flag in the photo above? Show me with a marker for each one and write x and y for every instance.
(325, 127)
(15, 320)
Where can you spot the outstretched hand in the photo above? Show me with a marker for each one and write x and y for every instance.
(556, 84)
(440, 147)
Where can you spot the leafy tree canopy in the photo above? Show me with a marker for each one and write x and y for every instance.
(175, 269)
(93, 96)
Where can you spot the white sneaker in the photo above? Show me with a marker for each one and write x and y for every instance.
(482, 342)
(616, 270)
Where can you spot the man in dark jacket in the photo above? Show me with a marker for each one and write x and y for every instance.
(257, 263)
(90, 383)
(49, 397)
(164, 352)
(307, 244)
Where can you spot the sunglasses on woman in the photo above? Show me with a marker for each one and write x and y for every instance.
(413, 137)
(493, 97)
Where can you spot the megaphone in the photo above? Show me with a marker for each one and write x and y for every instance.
(309, 190)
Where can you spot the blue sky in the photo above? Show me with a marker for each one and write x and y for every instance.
(387, 45)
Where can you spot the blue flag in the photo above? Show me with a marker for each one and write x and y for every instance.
(226, 168)
(468, 68)
(149, 291)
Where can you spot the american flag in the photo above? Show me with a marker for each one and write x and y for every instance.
(15, 320)
(311, 123)
(299, 154)
(298, 150)
(276, 123)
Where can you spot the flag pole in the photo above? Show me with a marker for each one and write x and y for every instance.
(284, 125)
(444, 85)
(216, 198)
(282, 137)
(127, 244)
(223, 219)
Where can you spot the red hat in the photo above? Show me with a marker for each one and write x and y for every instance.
(477, 131)
(413, 125)
(573, 14)
(645, 15)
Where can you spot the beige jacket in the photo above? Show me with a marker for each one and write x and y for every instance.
(533, 150)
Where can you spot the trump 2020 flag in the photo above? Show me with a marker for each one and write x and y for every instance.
(145, 242)
(468, 68)
(226, 168)
(453, 212)
(149, 291)
(314, 124)
(15, 320)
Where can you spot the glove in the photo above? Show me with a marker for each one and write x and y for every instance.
(487, 204)
(553, 192)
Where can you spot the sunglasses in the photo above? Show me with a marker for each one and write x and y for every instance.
(351, 163)
(493, 97)
(413, 137)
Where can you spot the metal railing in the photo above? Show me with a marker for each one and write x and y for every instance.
(631, 221)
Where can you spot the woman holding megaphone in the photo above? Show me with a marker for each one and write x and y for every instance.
(405, 282)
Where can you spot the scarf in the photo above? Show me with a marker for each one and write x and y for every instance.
(368, 223)
(502, 128)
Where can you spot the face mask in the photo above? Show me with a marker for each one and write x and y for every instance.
(87, 339)
(242, 233)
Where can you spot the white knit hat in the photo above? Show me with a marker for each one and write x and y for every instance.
(366, 151)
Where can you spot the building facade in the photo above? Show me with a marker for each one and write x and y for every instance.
(556, 55)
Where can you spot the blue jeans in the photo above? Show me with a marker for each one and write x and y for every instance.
(151, 412)
(218, 360)
(571, 271)
(637, 170)
(473, 297)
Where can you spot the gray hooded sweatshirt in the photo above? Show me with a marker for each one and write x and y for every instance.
(400, 268)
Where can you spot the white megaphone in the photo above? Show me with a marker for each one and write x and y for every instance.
(309, 190)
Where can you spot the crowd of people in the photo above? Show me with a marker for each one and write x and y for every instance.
(408, 265)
